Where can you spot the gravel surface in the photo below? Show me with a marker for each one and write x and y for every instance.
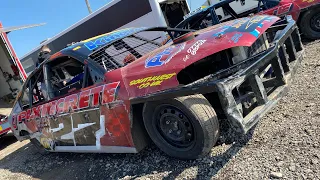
(285, 144)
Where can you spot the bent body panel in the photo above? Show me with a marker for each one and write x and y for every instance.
(158, 70)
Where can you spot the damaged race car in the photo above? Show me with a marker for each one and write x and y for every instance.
(305, 12)
(115, 92)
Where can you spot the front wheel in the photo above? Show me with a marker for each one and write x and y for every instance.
(184, 127)
(310, 24)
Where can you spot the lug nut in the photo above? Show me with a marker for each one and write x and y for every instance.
(176, 125)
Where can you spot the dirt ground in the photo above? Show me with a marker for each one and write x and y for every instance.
(285, 144)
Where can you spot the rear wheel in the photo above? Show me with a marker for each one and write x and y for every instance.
(310, 24)
(184, 127)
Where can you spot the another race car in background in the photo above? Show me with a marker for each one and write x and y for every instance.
(112, 92)
(4, 125)
(305, 12)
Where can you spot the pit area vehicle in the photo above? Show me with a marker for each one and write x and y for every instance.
(4, 125)
(305, 12)
(114, 92)
(12, 73)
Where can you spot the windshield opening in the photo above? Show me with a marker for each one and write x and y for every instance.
(124, 51)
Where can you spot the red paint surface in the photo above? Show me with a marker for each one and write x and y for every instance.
(306, 3)
(5, 131)
(118, 132)
(71, 103)
(297, 7)
(95, 95)
(84, 99)
(136, 69)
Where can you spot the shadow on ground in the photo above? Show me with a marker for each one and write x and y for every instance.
(7, 140)
(26, 160)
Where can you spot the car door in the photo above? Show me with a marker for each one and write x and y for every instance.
(79, 111)
(73, 120)
(25, 117)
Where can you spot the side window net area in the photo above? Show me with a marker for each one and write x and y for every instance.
(124, 51)
(37, 94)
(65, 75)
(24, 99)
(59, 77)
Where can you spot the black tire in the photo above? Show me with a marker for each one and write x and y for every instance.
(310, 24)
(192, 115)
(3, 134)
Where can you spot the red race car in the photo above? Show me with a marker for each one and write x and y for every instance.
(305, 12)
(112, 92)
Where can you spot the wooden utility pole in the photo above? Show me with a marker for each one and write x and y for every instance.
(88, 6)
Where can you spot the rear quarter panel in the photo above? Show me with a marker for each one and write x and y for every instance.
(291, 7)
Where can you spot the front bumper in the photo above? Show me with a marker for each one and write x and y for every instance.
(284, 56)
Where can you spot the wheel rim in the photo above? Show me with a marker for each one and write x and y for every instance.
(174, 127)
(315, 23)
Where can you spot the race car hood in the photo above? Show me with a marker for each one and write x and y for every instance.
(170, 59)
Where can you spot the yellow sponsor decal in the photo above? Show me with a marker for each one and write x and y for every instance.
(239, 23)
(308, 1)
(254, 20)
(151, 81)
(93, 38)
(76, 48)
(0, 128)
(96, 37)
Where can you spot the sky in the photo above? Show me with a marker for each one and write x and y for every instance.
(57, 14)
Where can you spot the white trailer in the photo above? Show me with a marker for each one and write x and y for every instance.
(239, 6)
(12, 73)
(115, 15)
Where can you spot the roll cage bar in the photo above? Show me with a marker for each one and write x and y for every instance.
(170, 31)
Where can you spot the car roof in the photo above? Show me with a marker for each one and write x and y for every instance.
(86, 47)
